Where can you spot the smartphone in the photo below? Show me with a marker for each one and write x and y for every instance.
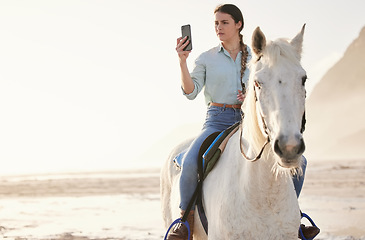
(186, 31)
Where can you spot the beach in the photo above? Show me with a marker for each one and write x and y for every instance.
(108, 205)
(126, 205)
(334, 196)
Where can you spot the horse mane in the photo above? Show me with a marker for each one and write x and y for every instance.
(250, 120)
(279, 51)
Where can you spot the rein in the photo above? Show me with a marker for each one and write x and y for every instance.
(266, 131)
(260, 153)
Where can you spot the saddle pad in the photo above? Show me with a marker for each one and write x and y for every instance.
(213, 153)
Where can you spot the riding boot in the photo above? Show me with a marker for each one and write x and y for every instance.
(308, 232)
(180, 232)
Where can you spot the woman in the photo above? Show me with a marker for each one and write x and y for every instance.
(222, 71)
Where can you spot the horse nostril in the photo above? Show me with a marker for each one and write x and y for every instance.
(301, 147)
(277, 148)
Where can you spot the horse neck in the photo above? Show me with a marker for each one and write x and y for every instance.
(262, 185)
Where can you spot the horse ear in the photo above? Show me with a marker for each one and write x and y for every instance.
(297, 41)
(258, 41)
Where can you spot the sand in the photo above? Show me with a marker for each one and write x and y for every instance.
(334, 196)
(125, 205)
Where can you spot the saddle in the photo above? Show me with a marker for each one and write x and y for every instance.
(209, 154)
(210, 151)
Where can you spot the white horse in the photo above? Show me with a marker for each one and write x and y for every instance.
(246, 199)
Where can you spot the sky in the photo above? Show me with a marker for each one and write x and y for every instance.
(92, 85)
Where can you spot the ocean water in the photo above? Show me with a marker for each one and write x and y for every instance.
(112, 217)
(115, 205)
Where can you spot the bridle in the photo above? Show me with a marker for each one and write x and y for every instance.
(266, 130)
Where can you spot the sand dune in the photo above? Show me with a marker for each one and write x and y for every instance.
(335, 119)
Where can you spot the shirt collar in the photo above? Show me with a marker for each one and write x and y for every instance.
(222, 49)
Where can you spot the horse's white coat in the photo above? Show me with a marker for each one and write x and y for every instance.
(253, 200)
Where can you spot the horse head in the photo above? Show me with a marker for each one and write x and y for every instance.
(278, 84)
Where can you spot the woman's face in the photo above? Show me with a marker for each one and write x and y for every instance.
(225, 27)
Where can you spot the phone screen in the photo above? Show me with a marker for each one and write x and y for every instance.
(186, 31)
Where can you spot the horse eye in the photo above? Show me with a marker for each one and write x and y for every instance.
(257, 84)
(304, 79)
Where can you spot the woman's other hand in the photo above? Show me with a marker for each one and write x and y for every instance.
(240, 96)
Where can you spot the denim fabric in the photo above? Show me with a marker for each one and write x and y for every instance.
(298, 180)
(217, 119)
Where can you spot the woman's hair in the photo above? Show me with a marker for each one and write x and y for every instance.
(237, 16)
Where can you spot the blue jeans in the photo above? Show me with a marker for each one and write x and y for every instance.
(298, 180)
(217, 120)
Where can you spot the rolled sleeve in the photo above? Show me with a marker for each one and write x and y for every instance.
(192, 95)
(198, 77)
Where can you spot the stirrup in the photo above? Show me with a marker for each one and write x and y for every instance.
(179, 220)
(313, 224)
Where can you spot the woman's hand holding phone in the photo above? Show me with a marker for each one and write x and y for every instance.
(184, 43)
(180, 45)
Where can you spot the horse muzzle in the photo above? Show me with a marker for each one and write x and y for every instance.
(289, 150)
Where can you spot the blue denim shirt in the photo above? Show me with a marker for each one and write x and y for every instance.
(219, 74)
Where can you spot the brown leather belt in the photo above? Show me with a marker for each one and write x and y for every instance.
(225, 105)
